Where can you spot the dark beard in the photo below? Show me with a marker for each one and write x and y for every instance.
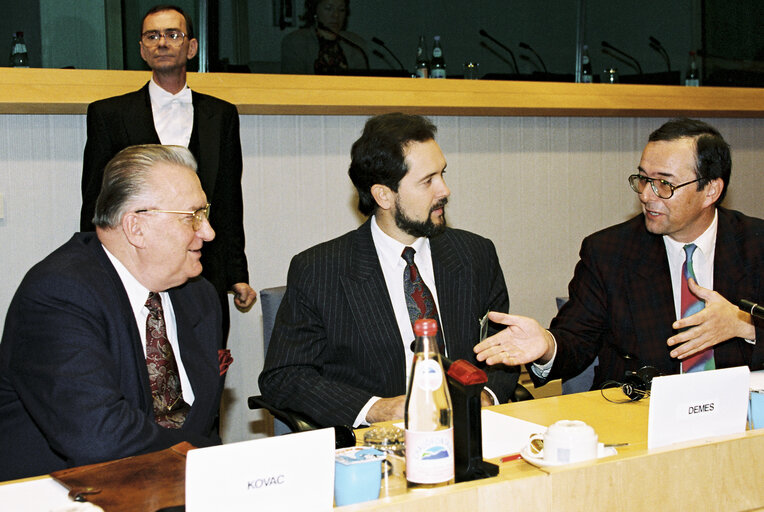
(420, 228)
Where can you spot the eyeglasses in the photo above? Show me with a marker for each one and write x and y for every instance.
(151, 38)
(197, 217)
(662, 188)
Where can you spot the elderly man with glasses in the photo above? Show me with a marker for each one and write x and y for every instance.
(661, 289)
(166, 111)
(112, 347)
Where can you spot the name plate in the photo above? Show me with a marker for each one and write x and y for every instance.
(289, 472)
(697, 405)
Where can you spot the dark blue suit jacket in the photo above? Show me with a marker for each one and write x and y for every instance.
(621, 301)
(336, 342)
(73, 380)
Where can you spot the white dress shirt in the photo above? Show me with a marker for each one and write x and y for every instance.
(173, 114)
(702, 261)
(137, 295)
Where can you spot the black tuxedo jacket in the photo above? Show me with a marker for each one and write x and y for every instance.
(621, 303)
(74, 387)
(116, 123)
(336, 342)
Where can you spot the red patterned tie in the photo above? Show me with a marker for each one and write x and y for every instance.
(419, 300)
(691, 305)
(170, 409)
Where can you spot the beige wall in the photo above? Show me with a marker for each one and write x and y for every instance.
(536, 186)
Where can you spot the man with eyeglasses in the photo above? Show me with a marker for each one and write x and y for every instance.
(166, 111)
(660, 289)
(112, 346)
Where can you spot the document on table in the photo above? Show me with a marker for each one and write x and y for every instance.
(502, 434)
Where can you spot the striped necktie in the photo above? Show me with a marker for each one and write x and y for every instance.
(691, 305)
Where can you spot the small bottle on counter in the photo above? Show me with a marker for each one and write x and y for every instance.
(437, 63)
(19, 57)
(586, 66)
(692, 77)
(422, 64)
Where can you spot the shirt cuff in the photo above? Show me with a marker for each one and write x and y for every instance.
(542, 370)
(361, 418)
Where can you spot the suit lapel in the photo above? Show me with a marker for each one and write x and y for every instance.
(197, 359)
(133, 342)
(729, 268)
(452, 288)
(370, 304)
(732, 283)
(139, 119)
(205, 136)
(650, 294)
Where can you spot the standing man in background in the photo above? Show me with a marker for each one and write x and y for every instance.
(166, 111)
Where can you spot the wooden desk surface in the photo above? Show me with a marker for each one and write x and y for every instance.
(69, 91)
(719, 474)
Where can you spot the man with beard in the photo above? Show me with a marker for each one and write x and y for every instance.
(341, 344)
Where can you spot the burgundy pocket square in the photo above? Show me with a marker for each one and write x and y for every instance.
(225, 359)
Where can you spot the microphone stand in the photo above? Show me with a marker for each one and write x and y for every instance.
(381, 43)
(609, 46)
(526, 46)
(345, 40)
(658, 47)
(511, 54)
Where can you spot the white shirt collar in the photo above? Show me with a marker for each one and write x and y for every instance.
(136, 292)
(389, 249)
(706, 242)
(161, 98)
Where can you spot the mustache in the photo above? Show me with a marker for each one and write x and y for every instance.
(440, 204)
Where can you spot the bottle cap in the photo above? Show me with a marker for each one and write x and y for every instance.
(437, 38)
(426, 327)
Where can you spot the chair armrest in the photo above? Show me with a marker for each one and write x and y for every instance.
(295, 421)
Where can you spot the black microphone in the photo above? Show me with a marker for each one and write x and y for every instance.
(752, 308)
(609, 46)
(505, 48)
(346, 40)
(658, 47)
(381, 43)
(526, 46)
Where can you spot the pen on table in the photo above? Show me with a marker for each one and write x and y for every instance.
(510, 458)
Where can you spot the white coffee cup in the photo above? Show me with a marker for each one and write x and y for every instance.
(568, 441)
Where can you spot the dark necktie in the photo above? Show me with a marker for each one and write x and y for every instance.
(419, 299)
(170, 409)
(691, 305)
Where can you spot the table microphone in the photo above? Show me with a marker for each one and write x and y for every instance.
(503, 47)
(609, 46)
(381, 43)
(752, 308)
(346, 40)
(658, 47)
(526, 46)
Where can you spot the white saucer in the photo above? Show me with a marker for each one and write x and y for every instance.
(538, 460)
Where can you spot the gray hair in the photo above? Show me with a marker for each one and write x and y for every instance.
(126, 176)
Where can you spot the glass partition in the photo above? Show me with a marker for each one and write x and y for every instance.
(643, 42)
